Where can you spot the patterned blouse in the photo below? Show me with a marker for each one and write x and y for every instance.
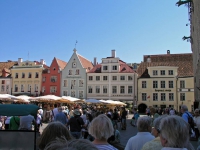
(153, 145)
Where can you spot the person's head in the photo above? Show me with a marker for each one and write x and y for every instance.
(174, 132)
(196, 112)
(156, 123)
(51, 132)
(77, 144)
(55, 105)
(144, 124)
(101, 127)
(77, 112)
(153, 111)
(184, 108)
(89, 117)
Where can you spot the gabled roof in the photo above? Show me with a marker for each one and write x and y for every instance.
(38, 63)
(85, 63)
(124, 68)
(184, 62)
(6, 65)
(61, 63)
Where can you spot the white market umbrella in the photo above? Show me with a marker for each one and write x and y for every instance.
(23, 98)
(93, 101)
(7, 97)
(70, 99)
(46, 98)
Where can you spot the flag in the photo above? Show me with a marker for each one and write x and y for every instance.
(148, 96)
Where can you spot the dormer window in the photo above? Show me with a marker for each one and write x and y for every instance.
(23, 75)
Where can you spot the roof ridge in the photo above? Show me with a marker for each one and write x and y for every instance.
(83, 57)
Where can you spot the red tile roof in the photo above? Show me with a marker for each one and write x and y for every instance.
(85, 63)
(184, 62)
(124, 68)
(61, 63)
(6, 65)
(38, 63)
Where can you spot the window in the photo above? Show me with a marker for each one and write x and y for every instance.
(73, 84)
(65, 83)
(122, 77)
(130, 89)
(77, 72)
(170, 72)
(89, 89)
(16, 75)
(90, 78)
(171, 96)
(105, 89)
(53, 78)
(105, 78)
(130, 78)
(16, 88)
(29, 75)
(171, 85)
(182, 84)
(3, 82)
(7, 88)
(144, 96)
(2, 88)
(73, 93)
(114, 67)
(43, 79)
(70, 72)
(23, 75)
(122, 89)
(80, 94)
(114, 78)
(182, 96)
(105, 67)
(36, 75)
(53, 89)
(162, 84)
(97, 89)
(114, 89)
(162, 72)
(155, 84)
(43, 89)
(80, 83)
(163, 97)
(29, 88)
(64, 93)
(155, 96)
(155, 72)
(144, 84)
(97, 78)
(22, 88)
(36, 88)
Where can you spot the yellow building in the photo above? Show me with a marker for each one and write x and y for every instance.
(27, 77)
(166, 81)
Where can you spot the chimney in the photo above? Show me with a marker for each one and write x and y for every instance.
(113, 53)
(148, 59)
(20, 60)
(95, 61)
(168, 52)
(42, 61)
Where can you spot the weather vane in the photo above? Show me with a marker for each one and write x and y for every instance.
(76, 43)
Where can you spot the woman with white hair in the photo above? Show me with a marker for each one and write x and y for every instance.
(174, 133)
(101, 128)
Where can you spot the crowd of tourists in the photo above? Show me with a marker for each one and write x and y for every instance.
(90, 128)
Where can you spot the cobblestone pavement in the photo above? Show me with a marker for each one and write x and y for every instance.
(130, 131)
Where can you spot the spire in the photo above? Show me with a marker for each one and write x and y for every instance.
(74, 50)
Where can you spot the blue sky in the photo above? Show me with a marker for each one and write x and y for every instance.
(49, 28)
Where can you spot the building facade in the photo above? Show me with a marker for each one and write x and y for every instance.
(5, 77)
(51, 78)
(73, 78)
(166, 81)
(113, 79)
(27, 77)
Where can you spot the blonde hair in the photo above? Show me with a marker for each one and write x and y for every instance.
(51, 132)
(101, 127)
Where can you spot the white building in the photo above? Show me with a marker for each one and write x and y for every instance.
(112, 79)
(73, 77)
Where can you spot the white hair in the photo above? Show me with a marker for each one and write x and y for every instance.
(101, 127)
(184, 107)
(175, 131)
(144, 123)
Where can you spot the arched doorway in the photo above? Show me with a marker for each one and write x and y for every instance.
(142, 108)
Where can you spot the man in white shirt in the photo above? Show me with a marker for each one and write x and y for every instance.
(143, 136)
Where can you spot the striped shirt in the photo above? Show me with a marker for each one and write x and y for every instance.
(105, 147)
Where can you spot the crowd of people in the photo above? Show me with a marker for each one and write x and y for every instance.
(91, 128)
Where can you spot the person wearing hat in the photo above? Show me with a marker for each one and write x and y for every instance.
(75, 124)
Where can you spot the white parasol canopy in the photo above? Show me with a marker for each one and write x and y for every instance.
(93, 101)
(70, 99)
(23, 98)
(46, 98)
(7, 97)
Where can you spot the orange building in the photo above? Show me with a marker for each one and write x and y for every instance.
(51, 78)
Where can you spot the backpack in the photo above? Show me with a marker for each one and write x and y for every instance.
(190, 121)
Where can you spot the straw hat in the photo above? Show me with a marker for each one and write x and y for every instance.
(77, 112)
